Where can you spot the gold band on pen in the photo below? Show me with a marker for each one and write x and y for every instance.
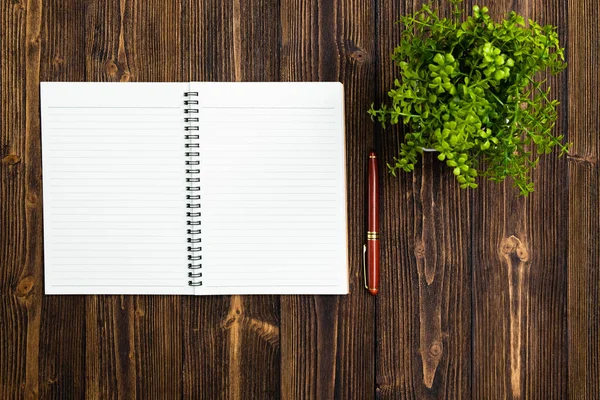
(372, 235)
(372, 157)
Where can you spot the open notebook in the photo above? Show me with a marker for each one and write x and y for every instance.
(194, 188)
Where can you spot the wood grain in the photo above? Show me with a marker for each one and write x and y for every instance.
(584, 201)
(13, 309)
(30, 281)
(546, 327)
(322, 355)
(484, 294)
(43, 374)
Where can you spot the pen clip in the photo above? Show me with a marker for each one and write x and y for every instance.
(365, 265)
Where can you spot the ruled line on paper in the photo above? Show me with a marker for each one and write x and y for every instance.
(104, 121)
(126, 257)
(89, 272)
(123, 240)
(103, 114)
(113, 137)
(268, 107)
(261, 129)
(118, 178)
(92, 200)
(115, 107)
(130, 157)
(110, 129)
(138, 279)
(88, 263)
(121, 228)
(264, 122)
(105, 169)
(254, 113)
(112, 236)
(225, 286)
(129, 285)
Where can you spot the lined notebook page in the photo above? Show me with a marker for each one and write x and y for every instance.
(114, 188)
(273, 188)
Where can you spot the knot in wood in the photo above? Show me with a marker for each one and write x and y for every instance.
(513, 245)
(11, 159)
(31, 199)
(58, 61)
(436, 349)
(111, 68)
(359, 56)
(35, 41)
(507, 246)
(139, 312)
(420, 250)
(25, 286)
(355, 53)
(522, 252)
(229, 322)
(234, 317)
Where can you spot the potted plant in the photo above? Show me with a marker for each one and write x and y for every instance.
(469, 88)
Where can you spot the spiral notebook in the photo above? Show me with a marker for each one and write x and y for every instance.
(194, 188)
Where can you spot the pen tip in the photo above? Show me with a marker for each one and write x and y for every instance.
(372, 153)
(373, 291)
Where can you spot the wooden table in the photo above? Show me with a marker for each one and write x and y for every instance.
(485, 294)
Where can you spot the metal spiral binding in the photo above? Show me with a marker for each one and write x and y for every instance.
(192, 179)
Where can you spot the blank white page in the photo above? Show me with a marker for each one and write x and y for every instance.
(114, 188)
(272, 178)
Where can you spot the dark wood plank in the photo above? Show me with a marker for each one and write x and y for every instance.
(231, 343)
(519, 259)
(327, 346)
(546, 325)
(584, 281)
(14, 315)
(423, 312)
(584, 200)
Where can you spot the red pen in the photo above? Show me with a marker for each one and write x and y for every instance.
(372, 247)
